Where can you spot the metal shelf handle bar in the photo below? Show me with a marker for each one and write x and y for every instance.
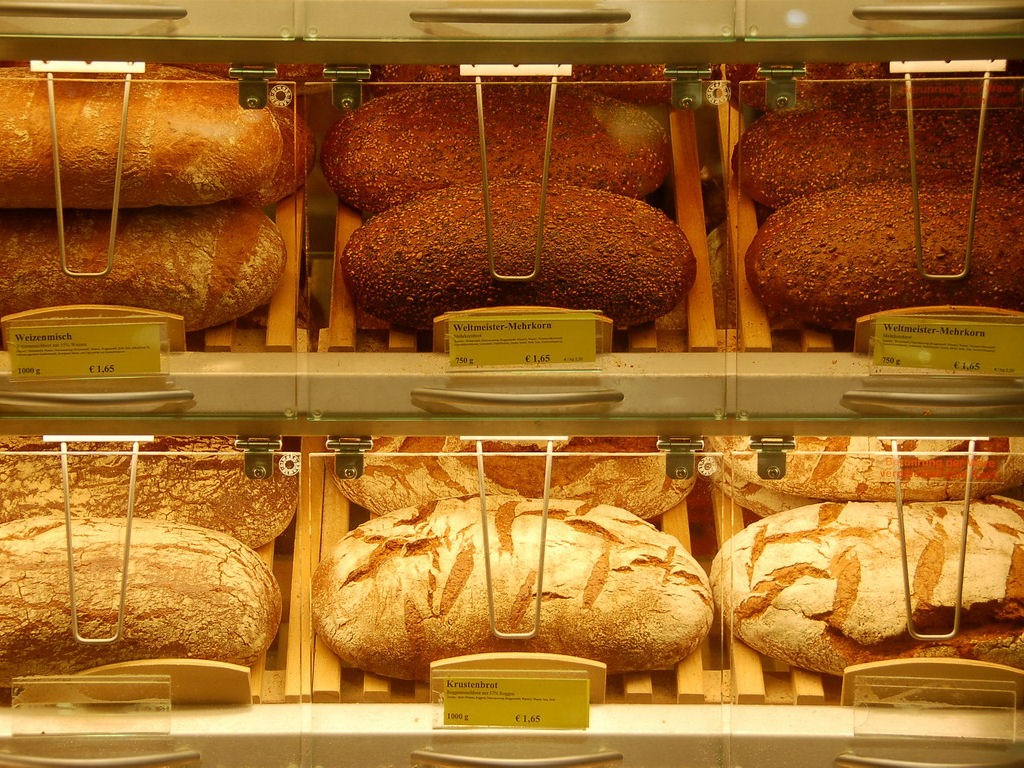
(517, 399)
(58, 200)
(958, 608)
(521, 16)
(441, 760)
(66, 485)
(850, 760)
(997, 399)
(488, 219)
(72, 10)
(482, 478)
(940, 12)
(97, 398)
(975, 185)
(129, 761)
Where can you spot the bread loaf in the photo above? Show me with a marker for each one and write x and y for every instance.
(407, 589)
(209, 263)
(399, 146)
(786, 155)
(829, 258)
(821, 587)
(192, 593)
(187, 143)
(194, 480)
(601, 251)
(410, 471)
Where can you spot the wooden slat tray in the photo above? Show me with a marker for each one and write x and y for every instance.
(688, 327)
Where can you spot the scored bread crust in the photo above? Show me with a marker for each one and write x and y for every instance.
(820, 587)
(407, 589)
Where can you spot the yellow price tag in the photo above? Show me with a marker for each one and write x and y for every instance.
(84, 351)
(973, 346)
(515, 702)
(535, 339)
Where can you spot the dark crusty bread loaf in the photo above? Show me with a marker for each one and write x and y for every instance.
(821, 587)
(829, 258)
(194, 480)
(601, 251)
(783, 156)
(404, 590)
(399, 146)
(208, 263)
(187, 143)
(192, 593)
(623, 472)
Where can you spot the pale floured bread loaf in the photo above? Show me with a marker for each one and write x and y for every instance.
(404, 590)
(192, 593)
(820, 587)
(194, 480)
(407, 471)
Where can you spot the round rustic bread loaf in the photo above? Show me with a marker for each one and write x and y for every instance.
(192, 593)
(399, 146)
(194, 480)
(398, 474)
(601, 251)
(187, 143)
(407, 589)
(829, 258)
(208, 263)
(786, 155)
(821, 587)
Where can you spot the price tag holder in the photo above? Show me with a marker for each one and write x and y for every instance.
(993, 345)
(502, 698)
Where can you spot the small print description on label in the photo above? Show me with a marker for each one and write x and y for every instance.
(95, 350)
(949, 345)
(533, 340)
(516, 702)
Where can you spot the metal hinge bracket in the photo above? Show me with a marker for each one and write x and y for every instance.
(687, 88)
(771, 455)
(259, 455)
(346, 85)
(781, 86)
(680, 459)
(253, 83)
(348, 455)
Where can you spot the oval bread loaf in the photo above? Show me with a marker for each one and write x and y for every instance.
(397, 147)
(830, 258)
(397, 474)
(192, 593)
(601, 251)
(187, 143)
(194, 480)
(407, 589)
(821, 587)
(208, 263)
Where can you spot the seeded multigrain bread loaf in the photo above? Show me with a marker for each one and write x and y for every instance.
(187, 143)
(403, 590)
(821, 587)
(601, 251)
(192, 593)
(828, 258)
(397, 147)
(786, 155)
(209, 263)
(410, 471)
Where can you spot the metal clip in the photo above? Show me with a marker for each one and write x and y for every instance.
(975, 185)
(66, 486)
(771, 455)
(348, 455)
(680, 459)
(259, 455)
(687, 89)
(253, 84)
(346, 85)
(781, 86)
(965, 525)
(482, 479)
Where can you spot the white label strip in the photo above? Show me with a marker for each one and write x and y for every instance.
(515, 70)
(86, 67)
(966, 65)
